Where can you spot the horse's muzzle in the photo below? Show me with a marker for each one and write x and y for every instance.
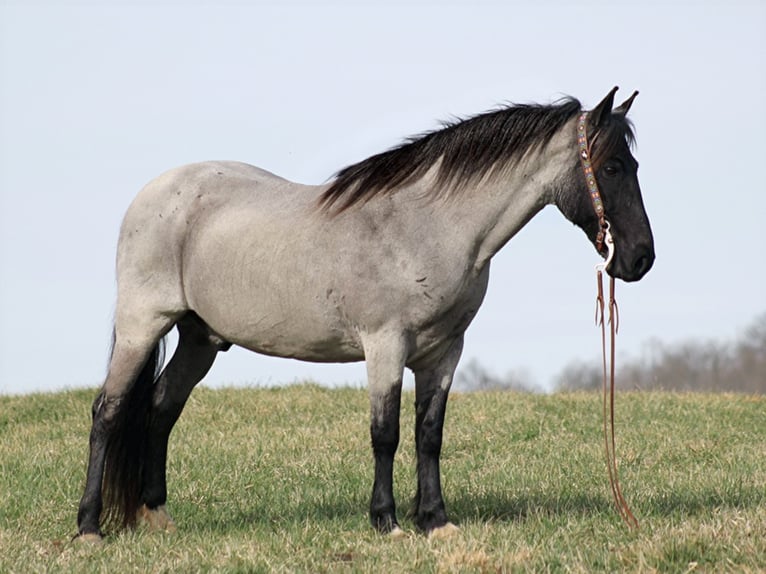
(638, 264)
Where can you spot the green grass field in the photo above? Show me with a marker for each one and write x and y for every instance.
(265, 480)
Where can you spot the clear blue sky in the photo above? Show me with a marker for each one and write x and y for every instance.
(98, 98)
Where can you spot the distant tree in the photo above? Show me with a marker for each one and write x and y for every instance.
(474, 377)
(688, 366)
(750, 358)
(709, 366)
(579, 376)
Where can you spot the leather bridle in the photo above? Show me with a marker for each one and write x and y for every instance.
(604, 237)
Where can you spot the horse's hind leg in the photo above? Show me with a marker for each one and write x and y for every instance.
(132, 364)
(191, 361)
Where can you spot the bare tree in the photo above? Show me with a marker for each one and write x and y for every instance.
(474, 377)
(750, 358)
(579, 376)
(688, 366)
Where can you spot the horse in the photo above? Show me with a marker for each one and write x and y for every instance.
(387, 262)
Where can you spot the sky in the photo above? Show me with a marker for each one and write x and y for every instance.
(98, 98)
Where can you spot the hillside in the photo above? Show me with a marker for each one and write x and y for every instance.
(264, 480)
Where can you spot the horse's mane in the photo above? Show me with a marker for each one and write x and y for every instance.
(469, 149)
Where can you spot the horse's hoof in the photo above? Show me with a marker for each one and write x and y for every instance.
(397, 533)
(442, 532)
(155, 519)
(89, 538)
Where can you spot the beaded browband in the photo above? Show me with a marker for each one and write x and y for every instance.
(590, 178)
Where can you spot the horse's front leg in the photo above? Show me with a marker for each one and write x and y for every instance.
(431, 390)
(385, 356)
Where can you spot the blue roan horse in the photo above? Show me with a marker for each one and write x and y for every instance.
(387, 263)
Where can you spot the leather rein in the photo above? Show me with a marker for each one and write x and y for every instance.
(604, 237)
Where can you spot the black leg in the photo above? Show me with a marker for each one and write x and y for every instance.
(429, 421)
(385, 355)
(89, 513)
(125, 365)
(190, 363)
(431, 391)
(153, 483)
(384, 430)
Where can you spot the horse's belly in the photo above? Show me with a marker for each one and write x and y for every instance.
(319, 347)
(284, 330)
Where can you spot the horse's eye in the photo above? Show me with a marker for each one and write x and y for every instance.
(612, 168)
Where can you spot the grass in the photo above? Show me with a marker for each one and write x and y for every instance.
(278, 480)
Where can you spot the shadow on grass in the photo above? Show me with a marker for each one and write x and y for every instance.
(497, 506)
(223, 520)
(507, 507)
(703, 500)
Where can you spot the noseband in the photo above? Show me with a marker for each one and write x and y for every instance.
(604, 237)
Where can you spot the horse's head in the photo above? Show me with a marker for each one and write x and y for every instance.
(610, 136)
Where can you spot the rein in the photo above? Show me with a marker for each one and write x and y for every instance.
(604, 237)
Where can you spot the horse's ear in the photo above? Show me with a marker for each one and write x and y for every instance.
(602, 113)
(623, 108)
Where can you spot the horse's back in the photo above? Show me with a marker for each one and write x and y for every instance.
(174, 202)
(182, 185)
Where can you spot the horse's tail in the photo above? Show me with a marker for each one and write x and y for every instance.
(124, 457)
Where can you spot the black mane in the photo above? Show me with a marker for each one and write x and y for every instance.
(469, 149)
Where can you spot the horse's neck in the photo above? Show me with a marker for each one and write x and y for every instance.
(474, 223)
(501, 205)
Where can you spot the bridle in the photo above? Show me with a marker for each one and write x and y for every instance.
(590, 180)
(604, 236)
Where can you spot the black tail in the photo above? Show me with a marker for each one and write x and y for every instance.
(124, 459)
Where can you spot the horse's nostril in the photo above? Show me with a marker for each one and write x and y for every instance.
(642, 264)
